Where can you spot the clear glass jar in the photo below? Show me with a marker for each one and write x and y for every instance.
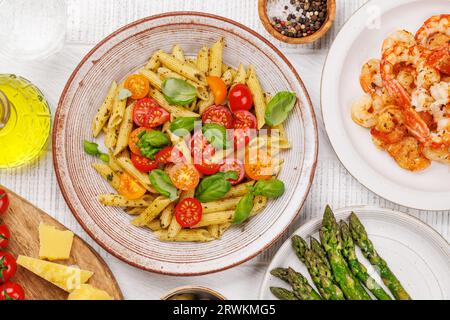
(32, 29)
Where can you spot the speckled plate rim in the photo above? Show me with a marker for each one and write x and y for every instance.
(337, 136)
(309, 167)
(313, 226)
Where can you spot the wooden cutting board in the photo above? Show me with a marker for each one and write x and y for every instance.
(23, 220)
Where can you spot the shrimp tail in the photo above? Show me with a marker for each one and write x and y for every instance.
(413, 121)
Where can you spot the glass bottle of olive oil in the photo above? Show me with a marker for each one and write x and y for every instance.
(25, 121)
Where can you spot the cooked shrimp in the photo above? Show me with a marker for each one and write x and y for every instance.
(440, 59)
(427, 75)
(408, 154)
(434, 32)
(406, 77)
(440, 154)
(398, 37)
(390, 127)
(370, 78)
(363, 112)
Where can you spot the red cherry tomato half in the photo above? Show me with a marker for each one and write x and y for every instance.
(8, 266)
(147, 113)
(143, 164)
(244, 122)
(11, 291)
(234, 165)
(188, 212)
(200, 148)
(240, 98)
(4, 201)
(5, 235)
(207, 167)
(169, 155)
(218, 114)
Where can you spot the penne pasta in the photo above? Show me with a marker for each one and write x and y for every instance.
(283, 141)
(241, 75)
(108, 174)
(258, 96)
(183, 68)
(259, 203)
(152, 77)
(117, 200)
(205, 104)
(118, 109)
(174, 110)
(203, 59)
(166, 216)
(111, 135)
(153, 63)
(220, 205)
(214, 230)
(215, 63)
(154, 225)
(223, 227)
(186, 235)
(239, 190)
(142, 178)
(113, 163)
(126, 126)
(152, 211)
(178, 53)
(227, 77)
(215, 218)
(134, 211)
(104, 112)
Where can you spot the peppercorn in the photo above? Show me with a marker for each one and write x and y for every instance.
(309, 17)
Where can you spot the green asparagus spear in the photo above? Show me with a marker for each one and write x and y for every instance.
(330, 238)
(359, 235)
(356, 267)
(320, 273)
(301, 287)
(283, 294)
(318, 249)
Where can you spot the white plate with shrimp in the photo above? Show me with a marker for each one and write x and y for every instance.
(427, 186)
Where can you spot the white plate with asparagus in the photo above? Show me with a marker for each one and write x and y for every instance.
(360, 253)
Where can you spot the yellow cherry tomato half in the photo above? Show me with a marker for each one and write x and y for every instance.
(258, 166)
(138, 86)
(184, 176)
(218, 88)
(130, 188)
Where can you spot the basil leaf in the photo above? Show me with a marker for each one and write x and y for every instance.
(215, 187)
(91, 148)
(272, 188)
(150, 142)
(104, 157)
(215, 134)
(178, 92)
(154, 138)
(182, 126)
(279, 107)
(124, 94)
(244, 208)
(162, 183)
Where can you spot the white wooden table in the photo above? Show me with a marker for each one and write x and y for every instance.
(90, 21)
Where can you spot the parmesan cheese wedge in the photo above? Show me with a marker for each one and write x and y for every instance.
(88, 292)
(64, 277)
(54, 244)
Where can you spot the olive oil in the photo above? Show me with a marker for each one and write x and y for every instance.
(25, 121)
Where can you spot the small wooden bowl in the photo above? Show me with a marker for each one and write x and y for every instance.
(202, 292)
(331, 14)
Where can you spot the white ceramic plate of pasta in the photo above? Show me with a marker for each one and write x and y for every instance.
(360, 40)
(161, 64)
